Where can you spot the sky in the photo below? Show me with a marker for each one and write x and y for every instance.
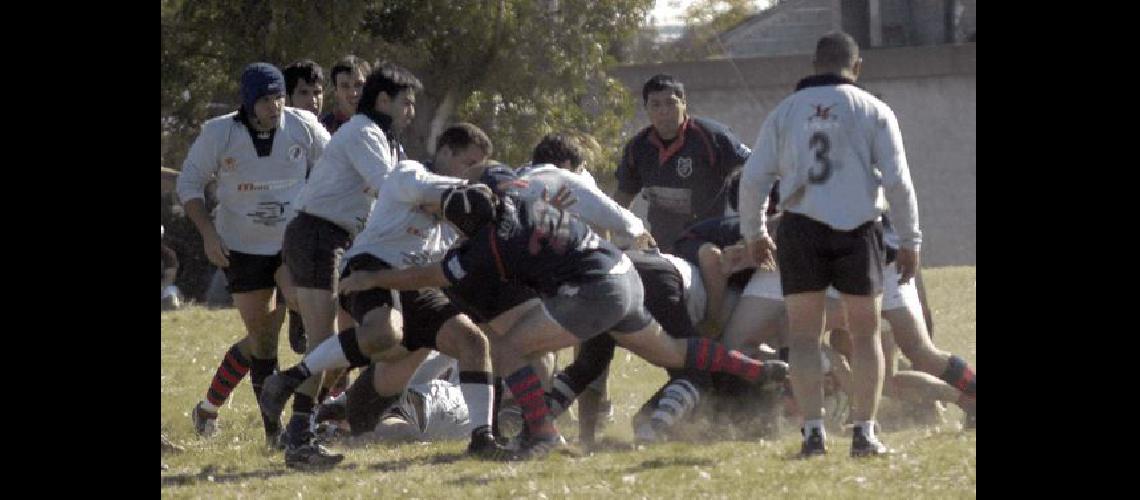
(669, 12)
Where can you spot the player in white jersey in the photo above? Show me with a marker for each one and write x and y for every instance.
(259, 156)
(430, 408)
(408, 234)
(836, 150)
(404, 232)
(332, 207)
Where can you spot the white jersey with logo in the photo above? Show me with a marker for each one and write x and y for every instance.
(593, 206)
(256, 195)
(345, 182)
(399, 231)
(836, 150)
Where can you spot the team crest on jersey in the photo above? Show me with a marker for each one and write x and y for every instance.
(684, 167)
(229, 164)
(296, 153)
(822, 112)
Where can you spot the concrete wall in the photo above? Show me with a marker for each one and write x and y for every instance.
(932, 89)
(791, 28)
(794, 26)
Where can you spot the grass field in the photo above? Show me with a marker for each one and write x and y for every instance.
(932, 462)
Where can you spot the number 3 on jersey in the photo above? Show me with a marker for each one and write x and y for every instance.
(820, 144)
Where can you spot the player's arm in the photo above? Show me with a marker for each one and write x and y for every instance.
(599, 210)
(200, 166)
(756, 180)
(713, 276)
(395, 279)
(887, 152)
(413, 184)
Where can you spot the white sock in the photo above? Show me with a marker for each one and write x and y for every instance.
(814, 424)
(479, 398)
(868, 427)
(327, 356)
(209, 407)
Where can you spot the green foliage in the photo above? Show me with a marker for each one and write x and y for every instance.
(517, 68)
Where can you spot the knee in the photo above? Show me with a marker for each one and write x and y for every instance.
(376, 335)
(466, 337)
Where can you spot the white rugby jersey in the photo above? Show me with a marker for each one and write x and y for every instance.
(593, 206)
(344, 183)
(836, 150)
(256, 195)
(437, 410)
(398, 231)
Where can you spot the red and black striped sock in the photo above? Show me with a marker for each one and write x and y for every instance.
(527, 388)
(960, 375)
(230, 372)
(707, 355)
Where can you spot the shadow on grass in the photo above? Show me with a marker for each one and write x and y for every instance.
(484, 479)
(609, 445)
(404, 464)
(210, 474)
(658, 463)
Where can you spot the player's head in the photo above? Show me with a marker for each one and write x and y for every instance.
(347, 79)
(304, 85)
(559, 150)
(664, 99)
(262, 94)
(460, 147)
(469, 208)
(391, 89)
(837, 53)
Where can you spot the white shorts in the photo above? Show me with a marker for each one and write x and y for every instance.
(765, 285)
(895, 296)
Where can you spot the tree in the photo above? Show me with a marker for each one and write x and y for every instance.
(705, 22)
(517, 68)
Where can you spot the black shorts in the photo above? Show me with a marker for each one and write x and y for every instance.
(312, 250)
(484, 302)
(424, 310)
(811, 255)
(249, 272)
(664, 293)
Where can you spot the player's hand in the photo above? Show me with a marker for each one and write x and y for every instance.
(216, 251)
(563, 198)
(358, 281)
(644, 241)
(763, 252)
(907, 262)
